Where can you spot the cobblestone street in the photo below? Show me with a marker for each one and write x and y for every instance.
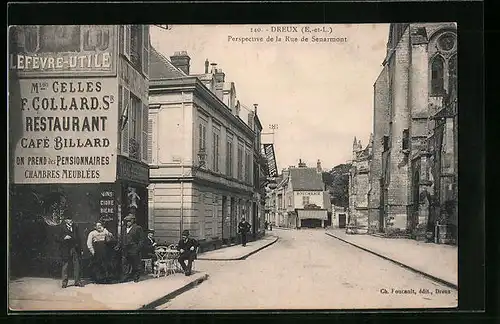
(307, 269)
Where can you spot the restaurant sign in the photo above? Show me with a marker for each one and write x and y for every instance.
(62, 49)
(68, 131)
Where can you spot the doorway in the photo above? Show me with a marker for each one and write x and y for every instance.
(342, 220)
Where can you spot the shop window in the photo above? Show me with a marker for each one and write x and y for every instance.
(437, 76)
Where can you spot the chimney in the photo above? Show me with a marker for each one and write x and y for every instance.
(251, 116)
(318, 166)
(219, 77)
(255, 108)
(181, 61)
(285, 173)
(237, 109)
(206, 66)
(302, 164)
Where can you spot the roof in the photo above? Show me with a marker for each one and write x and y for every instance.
(306, 179)
(161, 68)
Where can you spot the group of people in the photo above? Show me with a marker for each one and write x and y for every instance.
(116, 260)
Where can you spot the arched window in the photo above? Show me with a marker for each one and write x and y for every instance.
(437, 76)
(452, 75)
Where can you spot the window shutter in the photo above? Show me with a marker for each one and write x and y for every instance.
(145, 133)
(120, 114)
(125, 131)
(150, 141)
(145, 50)
(126, 40)
(121, 45)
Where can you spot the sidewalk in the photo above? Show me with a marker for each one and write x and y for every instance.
(46, 294)
(239, 252)
(439, 261)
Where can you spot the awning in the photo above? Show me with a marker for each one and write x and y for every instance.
(312, 214)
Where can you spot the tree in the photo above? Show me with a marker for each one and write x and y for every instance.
(337, 183)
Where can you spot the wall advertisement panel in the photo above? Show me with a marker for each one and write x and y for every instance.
(69, 131)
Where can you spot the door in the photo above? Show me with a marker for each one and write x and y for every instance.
(226, 221)
(342, 220)
(255, 222)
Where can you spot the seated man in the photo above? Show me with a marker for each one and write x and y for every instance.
(187, 248)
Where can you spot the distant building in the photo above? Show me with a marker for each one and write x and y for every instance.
(300, 198)
(204, 161)
(413, 169)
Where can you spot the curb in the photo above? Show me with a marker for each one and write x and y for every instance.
(173, 294)
(244, 256)
(441, 281)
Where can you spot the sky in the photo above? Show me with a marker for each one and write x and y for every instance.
(319, 94)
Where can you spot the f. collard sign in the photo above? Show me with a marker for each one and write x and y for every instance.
(69, 131)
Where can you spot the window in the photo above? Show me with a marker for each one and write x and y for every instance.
(385, 142)
(452, 72)
(135, 131)
(202, 133)
(240, 162)
(305, 200)
(247, 166)
(215, 148)
(229, 158)
(437, 76)
(136, 36)
(406, 140)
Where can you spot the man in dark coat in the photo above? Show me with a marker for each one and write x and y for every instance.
(243, 229)
(71, 250)
(131, 243)
(187, 247)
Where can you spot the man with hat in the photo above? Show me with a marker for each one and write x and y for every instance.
(187, 247)
(243, 229)
(71, 251)
(131, 243)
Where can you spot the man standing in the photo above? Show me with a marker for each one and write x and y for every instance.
(243, 229)
(187, 247)
(132, 243)
(71, 250)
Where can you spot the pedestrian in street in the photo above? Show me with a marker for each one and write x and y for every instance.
(187, 247)
(71, 251)
(266, 224)
(131, 246)
(99, 244)
(243, 229)
(270, 226)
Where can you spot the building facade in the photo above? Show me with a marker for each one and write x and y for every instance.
(413, 168)
(299, 199)
(203, 167)
(78, 119)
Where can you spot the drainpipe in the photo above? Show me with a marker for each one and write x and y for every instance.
(182, 173)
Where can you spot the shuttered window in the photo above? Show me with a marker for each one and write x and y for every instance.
(120, 117)
(126, 40)
(150, 141)
(145, 50)
(145, 133)
(125, 131)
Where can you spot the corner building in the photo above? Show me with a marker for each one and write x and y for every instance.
(78, 119)
(203, 170)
